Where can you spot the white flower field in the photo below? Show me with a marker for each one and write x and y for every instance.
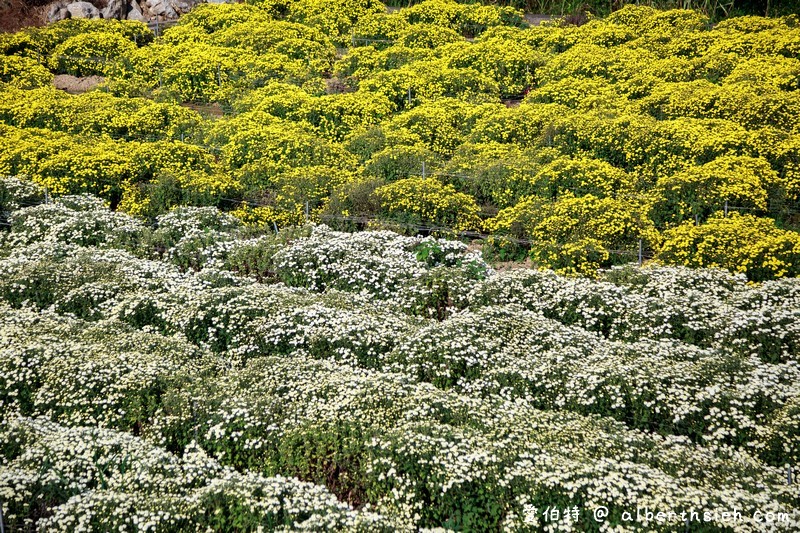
(196, 375)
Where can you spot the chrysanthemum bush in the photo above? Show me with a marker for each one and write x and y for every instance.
(23, 72)
(190, 374)
(94, 479)
(97, 112)
(341, 104)
(198, 369)
(420, 454)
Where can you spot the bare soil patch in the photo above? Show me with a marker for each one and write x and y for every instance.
(534, 19)
(76, 85)
(16, 14)
(213, 110)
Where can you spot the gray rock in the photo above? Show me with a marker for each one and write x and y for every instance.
(135, 12)
(53, 16)
(83, 10)
(115, 9)
(52, 13)
(161, 8)
(58, 11)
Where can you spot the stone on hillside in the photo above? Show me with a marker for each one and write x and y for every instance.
(161, 8)
(135, 12)
(58, 11)
(182, 6)
(83, 10)
(115, 9)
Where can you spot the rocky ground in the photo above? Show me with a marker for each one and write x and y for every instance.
(15, 14)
